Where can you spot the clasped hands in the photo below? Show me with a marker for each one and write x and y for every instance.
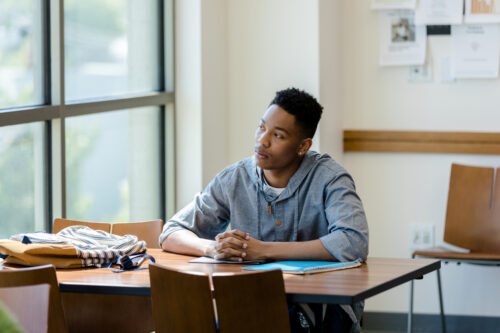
(236, 245)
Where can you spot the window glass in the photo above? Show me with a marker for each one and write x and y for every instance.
(22, 179)
(21, 60)
(112, 47)
(113, 165)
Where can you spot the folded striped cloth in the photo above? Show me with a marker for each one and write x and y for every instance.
(74, 246)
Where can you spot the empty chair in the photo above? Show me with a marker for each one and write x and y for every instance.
(29, 305)
(35, 276)
(182, 302)
(148, 231)
(251, 302)
(471, 222)
(471, 215)
(60, 224)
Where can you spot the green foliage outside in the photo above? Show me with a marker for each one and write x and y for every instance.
(100, 20)
(17, 183)
(16, 43)
(8, 323)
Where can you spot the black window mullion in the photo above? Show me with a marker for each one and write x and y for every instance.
(47, 74)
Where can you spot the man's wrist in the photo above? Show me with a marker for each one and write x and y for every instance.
(267, 250)
(209, 248)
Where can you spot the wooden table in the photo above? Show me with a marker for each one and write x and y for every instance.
(339, 287)
(98, 300)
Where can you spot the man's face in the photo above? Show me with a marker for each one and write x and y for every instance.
(277, 139)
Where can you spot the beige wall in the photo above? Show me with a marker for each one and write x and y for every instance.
(272, 45)
(232, 55)
(402, 189)
(188, 100)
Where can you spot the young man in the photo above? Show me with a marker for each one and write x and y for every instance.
(283, 203)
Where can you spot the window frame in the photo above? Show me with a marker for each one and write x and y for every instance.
(56, 109)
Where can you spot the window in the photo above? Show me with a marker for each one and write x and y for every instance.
(21, 55)
(22, 178)
(112, 51)
(113, 166)
(86, 111)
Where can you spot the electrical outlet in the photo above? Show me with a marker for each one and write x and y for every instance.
(420, 73)
(421, 236)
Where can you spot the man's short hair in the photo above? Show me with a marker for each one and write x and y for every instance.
(303, 106)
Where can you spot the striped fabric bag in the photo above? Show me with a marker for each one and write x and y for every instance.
(72, 247)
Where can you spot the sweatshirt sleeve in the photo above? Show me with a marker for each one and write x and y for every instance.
(347, 237)
(207, 215)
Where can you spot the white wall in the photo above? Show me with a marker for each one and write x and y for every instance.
(214, 88)
(232, 55)
(401, 189)
(382, 98)
(272, 45)
(331, 85)
(201, 94)
(188, 102)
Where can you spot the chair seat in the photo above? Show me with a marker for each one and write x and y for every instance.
(443, 253)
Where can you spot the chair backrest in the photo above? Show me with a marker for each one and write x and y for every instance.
(182, 302)
(29, 304)
(39, 275)
(148, 231)
(470, 214)
(60, 224)
(252, 302)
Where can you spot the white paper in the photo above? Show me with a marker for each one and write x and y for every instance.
(401, 41)
(446, 76)
(436, 12)
(482, 11)
(208, 260)
(475, 51)
(393, 4)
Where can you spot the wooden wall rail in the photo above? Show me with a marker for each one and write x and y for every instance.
(422, 142)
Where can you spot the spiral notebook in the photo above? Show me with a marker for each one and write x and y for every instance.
(305, 267)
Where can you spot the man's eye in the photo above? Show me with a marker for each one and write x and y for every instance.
(279, 136)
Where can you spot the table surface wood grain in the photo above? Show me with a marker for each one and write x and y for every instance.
(374, 276)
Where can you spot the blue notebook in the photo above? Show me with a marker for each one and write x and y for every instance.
(305, 267)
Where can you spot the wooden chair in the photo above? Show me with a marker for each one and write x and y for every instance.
(182, 302)
(34, 276)
(29, 304)
(60, 224)
(148, 231)
(251, 302)
(472, 222)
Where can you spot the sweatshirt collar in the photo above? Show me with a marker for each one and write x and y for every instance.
(293, 184)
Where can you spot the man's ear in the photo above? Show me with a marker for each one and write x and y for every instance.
(304, 146)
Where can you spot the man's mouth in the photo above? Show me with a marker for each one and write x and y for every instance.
(261, 154)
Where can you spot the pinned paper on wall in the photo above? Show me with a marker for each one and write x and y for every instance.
(482, 11)
(439, 12)
(401, 41)
(393, 4)
(475, 51)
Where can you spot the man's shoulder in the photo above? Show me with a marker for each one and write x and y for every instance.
(326, 165)
(241, 169)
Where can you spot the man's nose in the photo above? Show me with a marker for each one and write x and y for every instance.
(263, 139)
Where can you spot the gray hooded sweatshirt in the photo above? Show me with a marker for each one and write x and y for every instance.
(319, 201)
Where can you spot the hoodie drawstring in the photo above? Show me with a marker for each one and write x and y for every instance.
(259, 223)
(296, 219)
